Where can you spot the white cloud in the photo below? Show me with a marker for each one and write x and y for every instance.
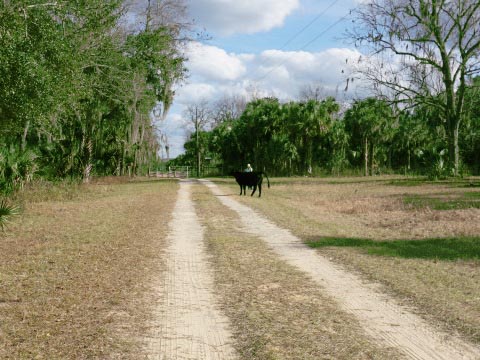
(213, 63)
(285, 72)
(228, 17)
(195, 92)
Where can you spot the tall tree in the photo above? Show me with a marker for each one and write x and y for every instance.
(369, 121)
(423, 51)
(199, 116)
(471, 131)
(228, 108)
(78, 89)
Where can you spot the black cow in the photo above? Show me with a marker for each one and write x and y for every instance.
(250, 179)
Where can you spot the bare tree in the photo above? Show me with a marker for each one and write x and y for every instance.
(422, 52)
(312, 92)
(199, 116)
(228, 108)
(151, 14)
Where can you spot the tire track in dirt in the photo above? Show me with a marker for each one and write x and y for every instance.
(382, 318)
(188, 324)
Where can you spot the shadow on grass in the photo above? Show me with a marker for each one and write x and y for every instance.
(419, 181)
(465, 248)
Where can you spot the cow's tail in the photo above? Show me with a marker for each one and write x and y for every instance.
(268, 181)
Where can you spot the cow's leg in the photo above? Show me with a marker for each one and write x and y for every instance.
(259, 189)
(240, 189)
(254, 189)
(244, 189)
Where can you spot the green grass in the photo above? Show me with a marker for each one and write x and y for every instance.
(465, 248)
(464, 201)
(408, 182)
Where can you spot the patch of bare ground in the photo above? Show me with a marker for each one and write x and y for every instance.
(76, 271)
(444, 292)
(276, 311)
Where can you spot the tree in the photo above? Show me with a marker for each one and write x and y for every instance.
(77, 89)
(411, 137)
(422, 52)
(198, 115)
(368, 121)
(470, 132)
(313, 121)
(257, 125)
(228, 108)
(312, 92)
(32, 67)
(339, 141)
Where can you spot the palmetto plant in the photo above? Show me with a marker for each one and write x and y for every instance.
(7, 210)
(16, 168)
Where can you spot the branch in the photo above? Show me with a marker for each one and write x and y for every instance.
(39, 5)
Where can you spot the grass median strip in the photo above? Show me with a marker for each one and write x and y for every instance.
(276, 311)
(75, 271)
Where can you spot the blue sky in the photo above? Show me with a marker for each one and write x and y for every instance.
(247, 52)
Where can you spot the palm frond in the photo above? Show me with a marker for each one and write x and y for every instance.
(7, 210)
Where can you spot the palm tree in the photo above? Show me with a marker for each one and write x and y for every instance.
(7, 210)
(369, 120)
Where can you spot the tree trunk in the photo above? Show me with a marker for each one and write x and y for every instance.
(24, 137)
(366, 155)
(198, 153)
(372, 160)
(453, 149)
(88, 166)
(456, 150)
(408, 156)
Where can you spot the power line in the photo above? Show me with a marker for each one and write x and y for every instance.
(325, 31)
(308, 25)
(304, 46)
(300, 32)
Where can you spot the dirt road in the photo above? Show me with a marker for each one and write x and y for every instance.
(191, 327)
(188, 324)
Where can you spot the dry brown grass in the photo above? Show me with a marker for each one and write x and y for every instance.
(276, 311)
(444, 292)
(75, 272)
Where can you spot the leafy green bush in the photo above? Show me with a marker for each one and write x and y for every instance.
(17, 168)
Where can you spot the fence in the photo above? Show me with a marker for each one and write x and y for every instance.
(183, 172)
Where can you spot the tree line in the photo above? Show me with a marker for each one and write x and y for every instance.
(80, 82)
(313, 136)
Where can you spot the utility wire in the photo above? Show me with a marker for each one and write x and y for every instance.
(308, 25)
(297, 34)
(304, 46)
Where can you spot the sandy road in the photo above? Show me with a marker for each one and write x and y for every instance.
(188, 324)
(381, 317)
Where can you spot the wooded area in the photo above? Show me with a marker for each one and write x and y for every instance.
(314, 137)
(79, 82)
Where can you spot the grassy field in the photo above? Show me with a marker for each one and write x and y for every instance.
(421, 240)
(76, 269)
